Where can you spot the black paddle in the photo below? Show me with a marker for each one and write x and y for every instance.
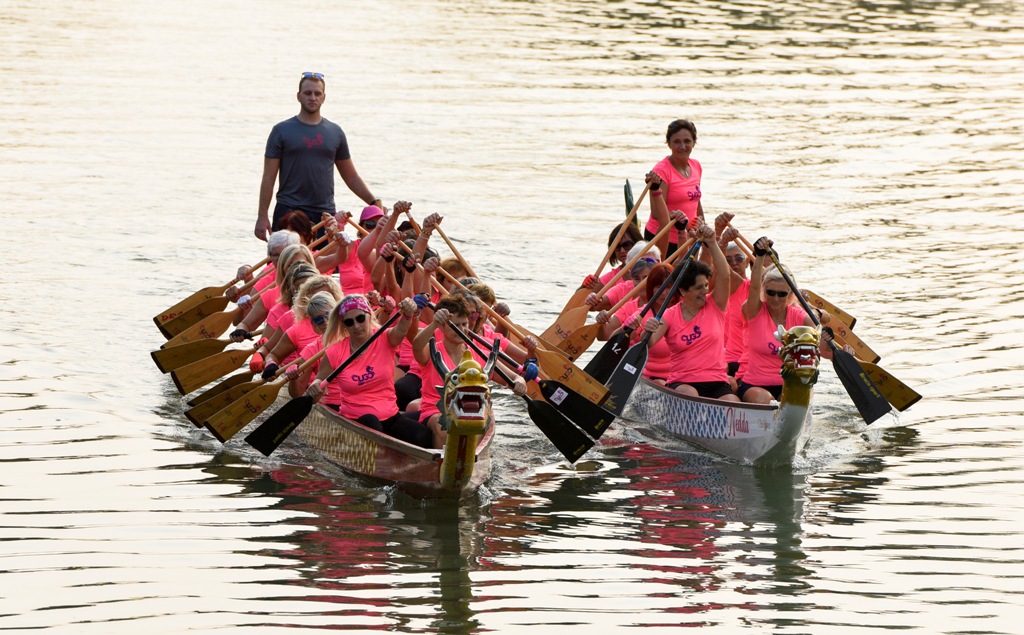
(628, 372)
(560, 431)
(272, 432)
(589, 416)
(604, 363)
(865, 395)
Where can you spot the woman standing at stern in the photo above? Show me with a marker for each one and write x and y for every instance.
(680, 184)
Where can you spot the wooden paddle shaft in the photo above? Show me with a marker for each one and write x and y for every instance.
(622, 232)
(629, 265)
(463, 261)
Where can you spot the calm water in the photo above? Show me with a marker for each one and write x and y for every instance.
(878, 143)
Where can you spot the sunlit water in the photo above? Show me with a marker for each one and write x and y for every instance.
(879, 144)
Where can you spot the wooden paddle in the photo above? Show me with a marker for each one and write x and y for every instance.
(210, 327)
(900, 395)
(580, 339)
(198, 374)
(554, 425)
(455, 252)
(204, 309)
(823, 304)
(569, 321)
(226, 422)
(224, 385)
(864, 393)
(630, 368)
(574, 307)
(168, 359)
(201, 412)
(552, 362)
(211, 292)
(272, 432)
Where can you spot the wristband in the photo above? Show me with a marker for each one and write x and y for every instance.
(408, 268)
(655, 192)
(655, 187)
(388, 258)
(245, 298)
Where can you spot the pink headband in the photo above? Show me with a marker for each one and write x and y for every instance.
(354, 302)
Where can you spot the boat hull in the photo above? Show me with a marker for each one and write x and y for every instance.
(749, 433)
(373, 454)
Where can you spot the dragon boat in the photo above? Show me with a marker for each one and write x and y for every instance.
(455, 471)
(760, 434)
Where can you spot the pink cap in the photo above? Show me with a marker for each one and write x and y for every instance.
(370, 211)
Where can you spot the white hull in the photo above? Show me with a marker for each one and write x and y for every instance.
(749, 433)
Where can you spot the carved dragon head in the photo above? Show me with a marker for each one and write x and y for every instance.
(800, 356)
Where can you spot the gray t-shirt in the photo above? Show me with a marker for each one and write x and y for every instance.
(307, 154)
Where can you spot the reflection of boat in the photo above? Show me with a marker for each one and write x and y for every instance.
(418, 471)
(750, 433)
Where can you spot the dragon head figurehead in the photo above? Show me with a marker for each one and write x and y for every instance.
(800, 356)
(467, 399)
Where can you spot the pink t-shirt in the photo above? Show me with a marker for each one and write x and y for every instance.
(683, 194)
(266, 280)
(628, 311)
(367, 385)
(354, 277)
(619, 291)
(431, 379)
(735, 325)
(697, 345)
(308, 352)
(763, 363)
(490, 335)
(300, 335)
(275, 314)
(659, 357)
(608, 275)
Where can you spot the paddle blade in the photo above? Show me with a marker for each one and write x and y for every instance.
(198, 374)
(569, 440)
(272, 432)
(625, 376)
(579, 341)
(565, 324)
(199, 413)
(823, 304)
(193, 316)
(210, 328)
(558, 367)
(865, 395)
(227, 384)
(603, 364)
(592, 418)
(189, 302)
(900, 395)
(228, 421)
(174, 357)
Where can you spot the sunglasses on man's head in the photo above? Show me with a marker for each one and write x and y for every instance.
(308, 75)
(776, 294)
(350, 322)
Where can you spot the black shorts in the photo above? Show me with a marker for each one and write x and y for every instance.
(776, 391)
(709, 389)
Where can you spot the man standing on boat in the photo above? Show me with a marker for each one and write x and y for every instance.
(304, 151)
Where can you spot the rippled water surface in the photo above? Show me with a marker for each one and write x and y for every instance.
(879, 144)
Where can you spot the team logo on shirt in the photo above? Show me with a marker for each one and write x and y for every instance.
(365, 377)
(774, 348)
(695, 194)
(318, 140)
(690, 339)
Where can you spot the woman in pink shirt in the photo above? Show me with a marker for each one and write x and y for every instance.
(365, 391)
(680, 184)
(318, 311)
(695, 328)
(287, 346)
(770, 304)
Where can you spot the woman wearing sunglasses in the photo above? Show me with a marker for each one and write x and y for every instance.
(300, 330)
(318, 311)
(770, 304)
(365, 391)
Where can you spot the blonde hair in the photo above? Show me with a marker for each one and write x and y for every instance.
(297, 274)
(289, 256)
(336, 330)
(319, 302)
(484, 292)
(310, 288)
(772, 274)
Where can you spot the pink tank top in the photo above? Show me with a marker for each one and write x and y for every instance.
(698, 345)
(683, 194)
(735, 325)
(354, 278)
(367, 385)
(763, 362)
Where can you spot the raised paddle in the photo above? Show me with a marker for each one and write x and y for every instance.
(201, 412)
(556, 427)
(580, 339)
(604, 363)
(569, 321)
(629, 369)
(865, 395)
(569, 313)
(272, 432)
(455, 252)
(209, 292)
(173, 358)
